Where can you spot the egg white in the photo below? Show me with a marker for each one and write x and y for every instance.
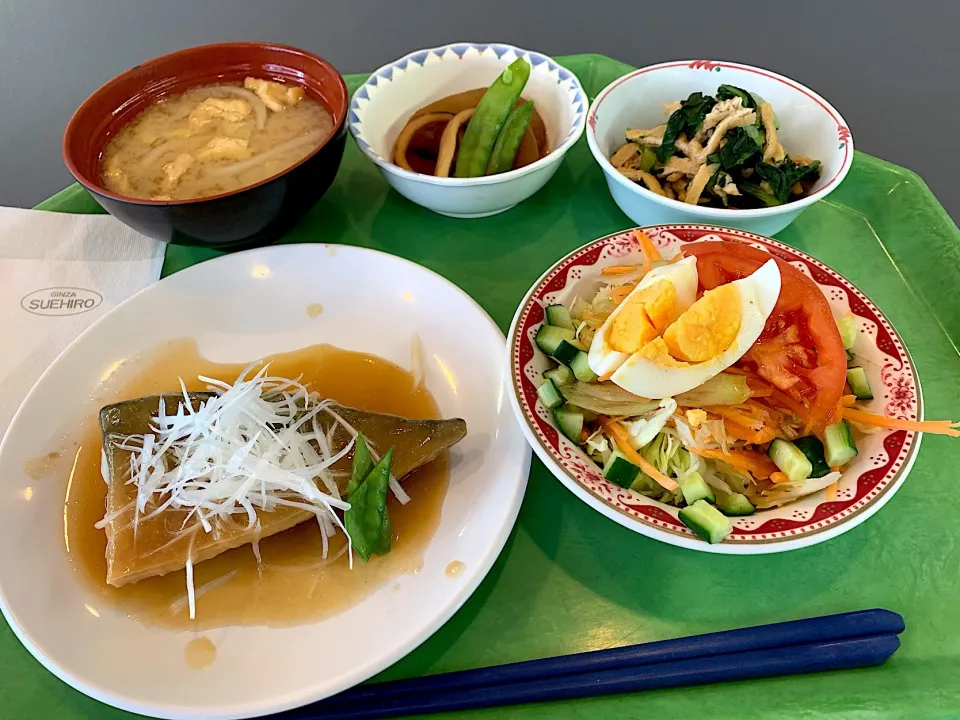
(602, 358)
(758, 295)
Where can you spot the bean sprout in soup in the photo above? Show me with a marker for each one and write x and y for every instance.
(214, 139)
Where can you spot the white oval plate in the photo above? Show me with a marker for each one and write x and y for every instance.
(867, 484)
(239, 307)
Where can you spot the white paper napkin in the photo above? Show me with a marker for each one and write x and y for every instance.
(59, 273)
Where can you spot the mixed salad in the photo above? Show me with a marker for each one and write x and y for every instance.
(718, 381)
(718, 151)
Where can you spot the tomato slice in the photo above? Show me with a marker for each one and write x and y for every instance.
(800, 351)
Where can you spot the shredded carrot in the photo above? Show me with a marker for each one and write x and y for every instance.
(619, 293)
(650, 252)
(759, 391)
(584, 435)
(760, 466)
(837, 414)
(746, 415)
(779, 477)
(605, 376)
(748, 435)
(831, 492)
(623, 442)
(934, 427)
(649, 249)
(618, 270)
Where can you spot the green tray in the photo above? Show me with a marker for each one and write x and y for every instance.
(569, 579)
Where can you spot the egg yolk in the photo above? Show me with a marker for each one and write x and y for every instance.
(708, 327)
(642, 317)
(656, 352)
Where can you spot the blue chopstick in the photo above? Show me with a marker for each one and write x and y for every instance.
(795, 632)
(811, 657)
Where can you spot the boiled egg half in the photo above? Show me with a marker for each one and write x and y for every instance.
(659, 343)
(659, 299)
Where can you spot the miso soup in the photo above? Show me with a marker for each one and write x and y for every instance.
(214, 139)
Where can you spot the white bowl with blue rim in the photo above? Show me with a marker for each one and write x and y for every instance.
(384, 103)
(809, 126)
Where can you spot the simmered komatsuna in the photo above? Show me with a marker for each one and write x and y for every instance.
(214, 139)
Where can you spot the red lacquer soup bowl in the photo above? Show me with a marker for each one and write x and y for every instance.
(251, 215)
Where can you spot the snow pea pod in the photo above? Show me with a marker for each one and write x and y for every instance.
(508, 141)
(367, 521)
(488, 120)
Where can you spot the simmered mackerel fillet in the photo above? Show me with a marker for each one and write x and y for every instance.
(160, 545)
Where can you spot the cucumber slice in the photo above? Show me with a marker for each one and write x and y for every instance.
(581, 368)
(857, 380)
(848, 331)
(812, 449)
(567, 350)
(735, 504)
(619, 470)
(549, 395)
(559, 316)
(561, 375)
(706, 521)
(694, 488)
(790, 460)
(839, 447)
(549, 338)
(570, 421)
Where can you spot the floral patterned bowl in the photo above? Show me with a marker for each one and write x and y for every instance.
(880, 468)
(383, 104)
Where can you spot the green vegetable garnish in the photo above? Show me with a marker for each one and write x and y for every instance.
(741, 145)
(783, 177)
(367, 521)
(728, 92)
(759, 193)
(685, 120)
(508, 141)
(362, 465)
(648, 158)
(489, 118)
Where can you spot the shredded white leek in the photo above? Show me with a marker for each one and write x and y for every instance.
(256, 445)
(191, 593)
(178, 605)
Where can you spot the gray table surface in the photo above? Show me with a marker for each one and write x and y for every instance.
(889, 67)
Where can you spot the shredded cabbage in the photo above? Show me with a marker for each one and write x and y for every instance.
(644, 429)
(606, 399)
(788, 492)
(722, 389)
(597, 443)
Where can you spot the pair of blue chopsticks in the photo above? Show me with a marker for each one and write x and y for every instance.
(832, 642)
